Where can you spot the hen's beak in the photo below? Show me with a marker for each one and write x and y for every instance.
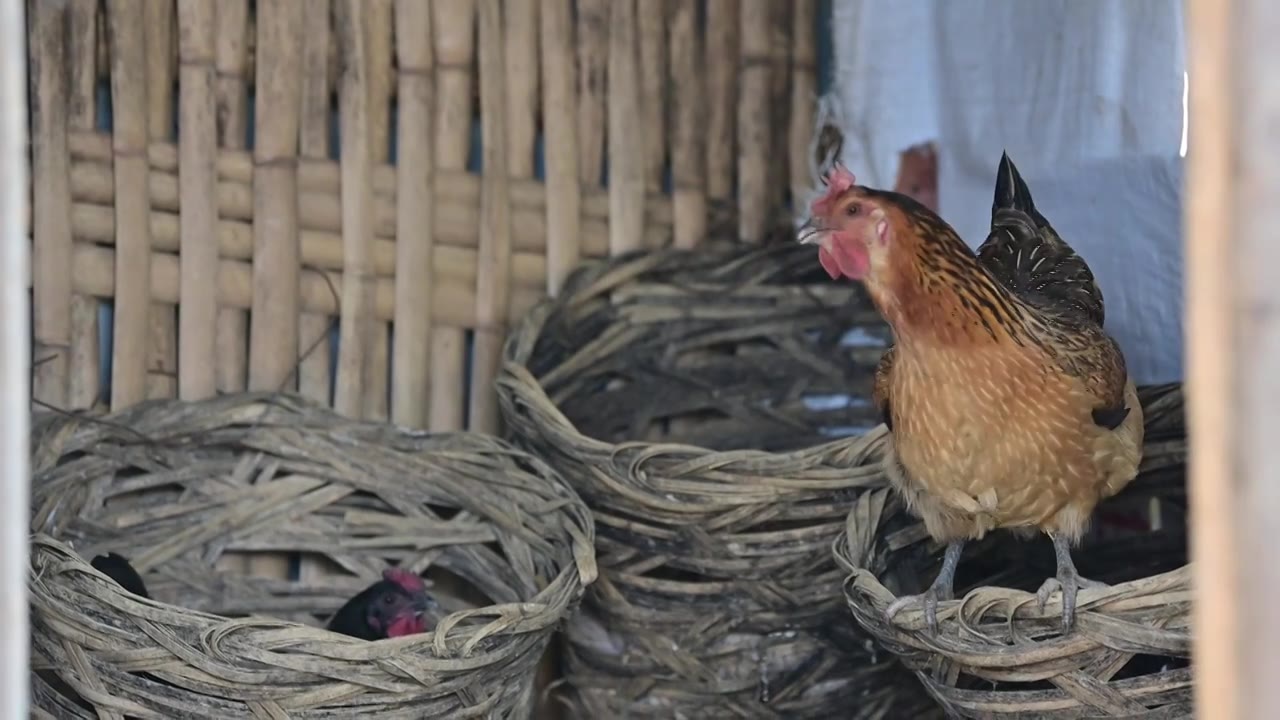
(423, 602)
(810, 232)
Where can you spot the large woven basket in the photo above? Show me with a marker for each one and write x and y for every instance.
(996, 654)
(181, 488)
(691, 399)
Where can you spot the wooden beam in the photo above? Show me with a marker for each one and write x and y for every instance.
(1208, 337)
(1233, 351)
(15, 362)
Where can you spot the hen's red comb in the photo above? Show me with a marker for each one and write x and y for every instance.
(838, 180)
(410, 581)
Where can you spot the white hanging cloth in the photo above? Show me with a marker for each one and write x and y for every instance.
(1087, 96)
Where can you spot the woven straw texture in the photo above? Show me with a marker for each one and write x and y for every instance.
(177, 487)
(718, 598)
(996, 654)
(238, 179)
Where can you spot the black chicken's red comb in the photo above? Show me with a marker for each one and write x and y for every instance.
(411, 582)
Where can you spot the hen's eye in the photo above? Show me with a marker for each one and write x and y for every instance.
(387, 599)
(852, 210)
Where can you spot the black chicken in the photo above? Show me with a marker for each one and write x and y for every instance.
(394, 606)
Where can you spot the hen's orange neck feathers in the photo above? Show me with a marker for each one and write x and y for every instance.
(935, 290)
(927, 283)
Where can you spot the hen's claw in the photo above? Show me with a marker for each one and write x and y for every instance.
(927, 599)
(941, 589)
(1068, 581)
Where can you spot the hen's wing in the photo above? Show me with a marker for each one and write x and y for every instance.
(880, 387)
(1026, 255)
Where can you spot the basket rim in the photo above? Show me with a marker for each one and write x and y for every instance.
(1000, 635)
(65, 557)
(867, 597)
(517, 386)
(59, 574)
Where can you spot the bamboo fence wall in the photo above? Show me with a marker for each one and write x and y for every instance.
(229, 235)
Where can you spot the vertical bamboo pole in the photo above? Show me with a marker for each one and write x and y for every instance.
(626, 136)
(82, 33)
(781, 19)
(520, 54)
(133, 206)
(162, 351)
(15, 442)
(273, 319)
(315, 373)
(377, 385)
(560, 142)
(593, 56)
(688, 143)
(560, 150)
(233, 120)
(314, 369)
(723, 26)
(520, 27)
(652, 33)
(356, 321)
(493, 259)
(197, 183)
(415, 215)
(804, 96)
(754, 122)
(453, 33)
(273, 322)
(231, 361)
(85, 385)
(51, 204)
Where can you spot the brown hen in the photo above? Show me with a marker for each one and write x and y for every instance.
(1007, 403)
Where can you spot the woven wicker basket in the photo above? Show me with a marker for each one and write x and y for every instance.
(643, 383)
(179, 488)
(996, 654)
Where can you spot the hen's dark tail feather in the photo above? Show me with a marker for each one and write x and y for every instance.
(119, 569)
(1012, 192)
(1029, 258)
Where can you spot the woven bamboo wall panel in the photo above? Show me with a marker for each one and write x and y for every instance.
(237, 183)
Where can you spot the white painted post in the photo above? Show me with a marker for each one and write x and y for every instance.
(15, 363)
